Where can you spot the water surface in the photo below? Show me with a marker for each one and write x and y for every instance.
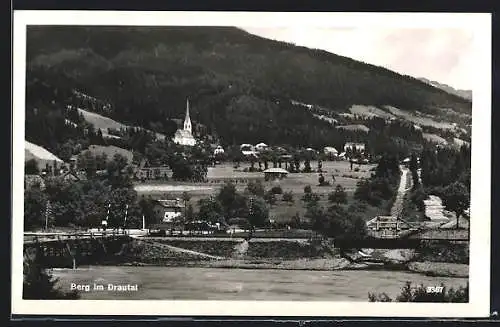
(182, 283)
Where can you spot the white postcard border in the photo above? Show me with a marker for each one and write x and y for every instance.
(479, 277)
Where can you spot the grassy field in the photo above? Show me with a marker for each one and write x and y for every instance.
(281, 211)
(419, 118)
(41, 155)
(357, 127)
(103, 123)
(434, 138)
(370, 111)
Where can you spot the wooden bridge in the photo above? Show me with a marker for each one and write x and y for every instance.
(63, 249)
(34, 237)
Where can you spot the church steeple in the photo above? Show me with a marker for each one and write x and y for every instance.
(187, 120)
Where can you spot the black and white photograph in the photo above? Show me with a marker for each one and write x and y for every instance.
(251, 163)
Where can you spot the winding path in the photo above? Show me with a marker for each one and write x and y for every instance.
(405, 184)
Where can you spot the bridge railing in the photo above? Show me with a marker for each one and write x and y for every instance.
(40, 237)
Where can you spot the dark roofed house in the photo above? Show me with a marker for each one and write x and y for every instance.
(146, 172)
(72, 176)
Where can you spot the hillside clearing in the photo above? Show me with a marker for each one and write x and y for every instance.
(110, 151)
(434, 138)
(370, 111)
(358, 127)
(103, 123)
(418, 118)
(39, 152)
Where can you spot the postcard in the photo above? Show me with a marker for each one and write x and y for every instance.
(251, 164)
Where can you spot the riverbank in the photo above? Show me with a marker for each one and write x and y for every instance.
(435, 269)
(432, 259)
(440, 269)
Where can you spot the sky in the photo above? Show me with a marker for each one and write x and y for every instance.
(442, 55)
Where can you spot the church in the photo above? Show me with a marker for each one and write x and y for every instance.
(184, 136)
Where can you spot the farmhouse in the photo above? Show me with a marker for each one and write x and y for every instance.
(331, 151)
(166, 211)
(261, 146)
(185, 136)
(218, 150)
(147, 172)
(352, 146)
(248, 150)
(386, 226)
(72, 176)
(275, 173)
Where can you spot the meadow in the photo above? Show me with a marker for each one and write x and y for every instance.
(103, 123)
(281, 211)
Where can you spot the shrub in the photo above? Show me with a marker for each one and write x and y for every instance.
(270, 197)
(339, 196)
(322, 181)
(310, 198)
(255, 188)
(307, 189)
(420, 294)
(38, 284)
(277, 190)
(288, 196)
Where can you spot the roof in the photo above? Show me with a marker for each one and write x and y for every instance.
(171, 203)
(261, 144)
(276, 171)
(330, 148)
(73, 175)
(183, 133)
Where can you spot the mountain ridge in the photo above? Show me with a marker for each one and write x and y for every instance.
(466, 94)
(241, 86)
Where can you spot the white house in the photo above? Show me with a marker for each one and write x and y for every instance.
(261, 146)
(248, 150)
(328, 150)
(354, 146)
(218, 150)
(184, 136)
(246, 147)
(168, 210)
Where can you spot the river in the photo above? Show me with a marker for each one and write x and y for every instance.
(180, 283)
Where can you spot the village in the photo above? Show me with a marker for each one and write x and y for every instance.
(174, 202)
(212, 163)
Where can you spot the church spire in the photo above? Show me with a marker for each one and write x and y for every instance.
(187, 120)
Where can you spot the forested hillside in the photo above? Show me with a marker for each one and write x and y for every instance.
(240, 86)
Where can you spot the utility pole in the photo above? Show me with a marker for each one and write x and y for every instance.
(47, 212)
(104, 223)
(125, 220)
